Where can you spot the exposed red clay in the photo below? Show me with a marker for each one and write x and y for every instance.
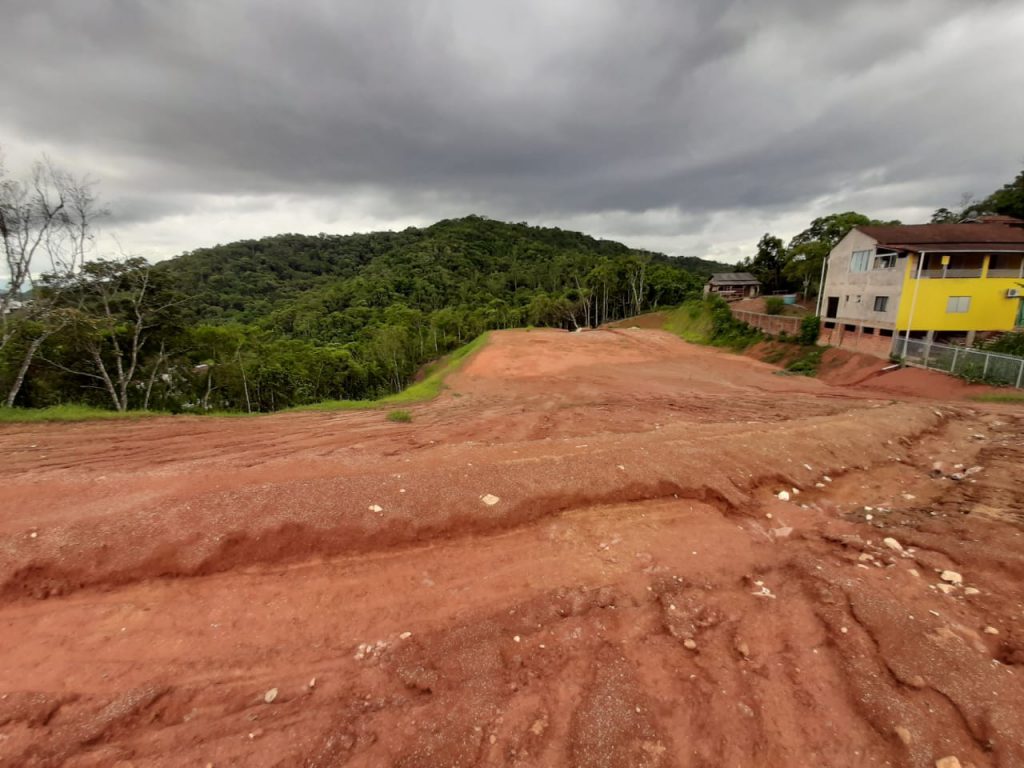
(576, 556)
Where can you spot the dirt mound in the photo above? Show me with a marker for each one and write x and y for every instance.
(917, 382)
(841, 367)
(576, 556)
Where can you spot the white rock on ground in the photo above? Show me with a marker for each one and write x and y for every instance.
(948, 762)
(489, 499)
(952, 577)
(783, 495)
(891, 543)
(270, 695)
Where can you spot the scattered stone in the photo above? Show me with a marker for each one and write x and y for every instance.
(783, 532)
(405, 635)
(891, 543)
(913, 572)
(312, 683)
(690, 644)
(783, 495)
(952, 577)
(972, 471)
(865, 556)
(819, 485)
(903, 733)
(909, 496)
(827, 479)
(946, 589)
(869, 517)
(948, 762)
(743, 649)
(796, 491)
(844, 630)
(991, 631)
(768, 515)
(489, 499)
(270, 695)
(376, 508)
(516, 639)
(808, 467)
(972, 591)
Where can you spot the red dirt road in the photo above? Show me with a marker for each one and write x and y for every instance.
(576, 556)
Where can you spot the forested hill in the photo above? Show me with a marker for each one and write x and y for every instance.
(472, 262)
(266, 324)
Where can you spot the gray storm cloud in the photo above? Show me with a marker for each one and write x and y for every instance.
(684, 125)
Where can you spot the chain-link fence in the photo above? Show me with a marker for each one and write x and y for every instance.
(971, 364)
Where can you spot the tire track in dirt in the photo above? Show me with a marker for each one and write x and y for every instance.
(671, 612)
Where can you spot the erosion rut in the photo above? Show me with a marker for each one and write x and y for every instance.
(638, 595)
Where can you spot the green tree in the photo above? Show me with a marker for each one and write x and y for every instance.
(769, 264)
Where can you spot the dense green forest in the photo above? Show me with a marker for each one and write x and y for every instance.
(267, 324)
(261, 325)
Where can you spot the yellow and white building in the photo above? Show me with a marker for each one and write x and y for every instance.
(940, 282)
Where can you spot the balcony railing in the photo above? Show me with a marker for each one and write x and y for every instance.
(949, 273)
(1013, 272)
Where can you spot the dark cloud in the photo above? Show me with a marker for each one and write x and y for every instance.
(661, 120)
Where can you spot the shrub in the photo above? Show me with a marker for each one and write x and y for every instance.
(808, 362)
(810, 329)
(1009, 344)
(401, 416)
(773, 305)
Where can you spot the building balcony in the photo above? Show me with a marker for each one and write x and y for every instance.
(1011, 272)
(938, 274)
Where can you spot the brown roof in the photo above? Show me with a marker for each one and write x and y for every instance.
(986, 236)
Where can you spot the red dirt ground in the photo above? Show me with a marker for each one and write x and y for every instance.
(330, 589)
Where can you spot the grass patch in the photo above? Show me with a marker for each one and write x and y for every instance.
(1000, 397)
(68, 413)
(402, 417)
(691, 322)
(710, 321)
(807, 362)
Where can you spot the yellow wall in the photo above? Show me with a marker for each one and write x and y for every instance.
(990, 309)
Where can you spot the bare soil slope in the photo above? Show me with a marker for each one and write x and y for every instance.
(576, 556)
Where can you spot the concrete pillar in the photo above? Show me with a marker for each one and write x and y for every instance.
(970, 338)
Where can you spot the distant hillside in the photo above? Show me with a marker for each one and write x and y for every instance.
(294, 319)
(454, 262)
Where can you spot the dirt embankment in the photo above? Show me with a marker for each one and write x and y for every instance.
(576, 556)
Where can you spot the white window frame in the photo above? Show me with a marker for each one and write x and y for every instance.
(958, 305)
(860, 261)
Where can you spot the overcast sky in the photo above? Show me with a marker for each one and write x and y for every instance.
(689, 127)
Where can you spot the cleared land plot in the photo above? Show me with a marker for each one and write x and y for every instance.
(576, 555)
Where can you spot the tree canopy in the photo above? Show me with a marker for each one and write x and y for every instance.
(266, 324)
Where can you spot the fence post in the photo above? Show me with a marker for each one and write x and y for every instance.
(1020, 374)
(984, 370)
(952, 367)
(927, 352)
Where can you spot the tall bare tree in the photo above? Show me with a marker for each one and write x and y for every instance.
(46, 226)
(112, 307)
